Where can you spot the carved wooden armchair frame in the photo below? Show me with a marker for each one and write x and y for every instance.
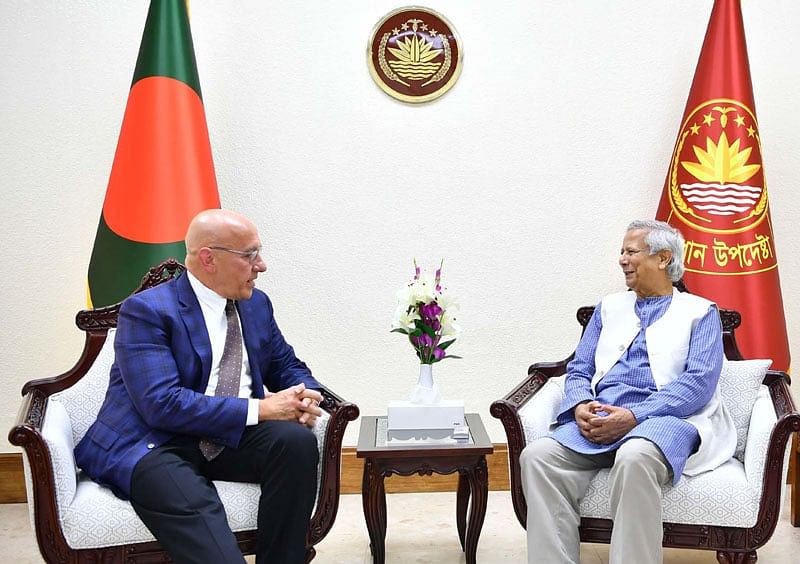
(733, 544)
(27, 433)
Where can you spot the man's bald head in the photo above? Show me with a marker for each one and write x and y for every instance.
(217, 244)
(215, 228)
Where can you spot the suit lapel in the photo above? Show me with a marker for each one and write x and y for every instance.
(248, 319)
(192, 317)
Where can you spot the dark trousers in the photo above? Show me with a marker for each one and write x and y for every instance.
(172, 492)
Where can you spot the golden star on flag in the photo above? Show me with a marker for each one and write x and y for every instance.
(708, 119)
(739, 120)
(695, 129)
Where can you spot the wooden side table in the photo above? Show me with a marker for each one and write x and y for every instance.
(382, 460)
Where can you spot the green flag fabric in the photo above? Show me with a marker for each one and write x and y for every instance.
(163, 173)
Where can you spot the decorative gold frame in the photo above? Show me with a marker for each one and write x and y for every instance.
(390, 73)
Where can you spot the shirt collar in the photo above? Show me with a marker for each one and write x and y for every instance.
(205, 295)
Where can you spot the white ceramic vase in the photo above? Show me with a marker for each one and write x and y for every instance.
(426, 391)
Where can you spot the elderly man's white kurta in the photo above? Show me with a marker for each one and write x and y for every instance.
(661, 358)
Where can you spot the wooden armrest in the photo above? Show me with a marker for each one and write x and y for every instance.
(26, 433)
(92, 346)
(341, 413)
(774, 474)
(507, 411)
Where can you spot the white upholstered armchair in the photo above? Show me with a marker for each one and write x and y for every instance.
(732, 509)
(77, 520)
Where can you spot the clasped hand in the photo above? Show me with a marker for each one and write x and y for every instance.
(297, 403)
(603, 424)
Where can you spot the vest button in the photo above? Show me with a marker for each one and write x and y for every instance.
(151, 446)
(622, 347)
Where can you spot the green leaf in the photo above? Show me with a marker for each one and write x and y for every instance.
(446, 344)
(429, 330)
(399, 330)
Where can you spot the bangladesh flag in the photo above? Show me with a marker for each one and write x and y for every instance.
(716, 192)
(163, 174)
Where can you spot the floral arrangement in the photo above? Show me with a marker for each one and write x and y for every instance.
(425, 312)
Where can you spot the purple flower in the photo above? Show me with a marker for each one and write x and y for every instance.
(430, 311)
(425, 340)
(438, 353)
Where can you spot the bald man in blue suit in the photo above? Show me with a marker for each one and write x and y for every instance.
(162, 403)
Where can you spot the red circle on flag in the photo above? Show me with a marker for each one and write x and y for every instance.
(163, 173)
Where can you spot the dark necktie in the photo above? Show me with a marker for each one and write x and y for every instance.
(230, 371)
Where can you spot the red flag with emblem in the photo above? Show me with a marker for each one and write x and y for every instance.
(716, 192)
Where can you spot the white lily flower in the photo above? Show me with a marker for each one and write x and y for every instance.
(403, 319)
(424, 288)
(449, 326)
(446, 301)
(405, 295)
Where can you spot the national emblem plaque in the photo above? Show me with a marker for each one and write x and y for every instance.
(414, 54)
(718, 191)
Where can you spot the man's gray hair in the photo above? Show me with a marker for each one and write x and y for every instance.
(662, 236)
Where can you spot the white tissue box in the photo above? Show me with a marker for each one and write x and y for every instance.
(443, 415)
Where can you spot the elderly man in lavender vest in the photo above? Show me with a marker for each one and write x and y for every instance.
(640, 398)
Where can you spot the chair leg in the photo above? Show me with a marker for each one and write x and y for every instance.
(310, 553)
(736, 557)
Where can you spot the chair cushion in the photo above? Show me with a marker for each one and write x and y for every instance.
(762, 421)
(739, 383)
(97, 518)
(728, 495)
(57, 433)
(720, 497)
(83, 400)
(539, 414)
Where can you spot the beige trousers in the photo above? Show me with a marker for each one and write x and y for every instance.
(554, 480)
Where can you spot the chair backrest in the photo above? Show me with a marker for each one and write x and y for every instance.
(83, 399)
(104, 318)
(84, 395)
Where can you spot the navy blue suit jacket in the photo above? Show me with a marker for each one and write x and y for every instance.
(160, 373)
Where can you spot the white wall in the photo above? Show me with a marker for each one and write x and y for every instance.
(522, 177)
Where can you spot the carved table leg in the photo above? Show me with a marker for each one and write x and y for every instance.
(479, 488)
(736, 557)
(462, 502)
(374, 500)
(382, 494)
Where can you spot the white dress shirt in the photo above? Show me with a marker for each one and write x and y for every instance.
(213, 307)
